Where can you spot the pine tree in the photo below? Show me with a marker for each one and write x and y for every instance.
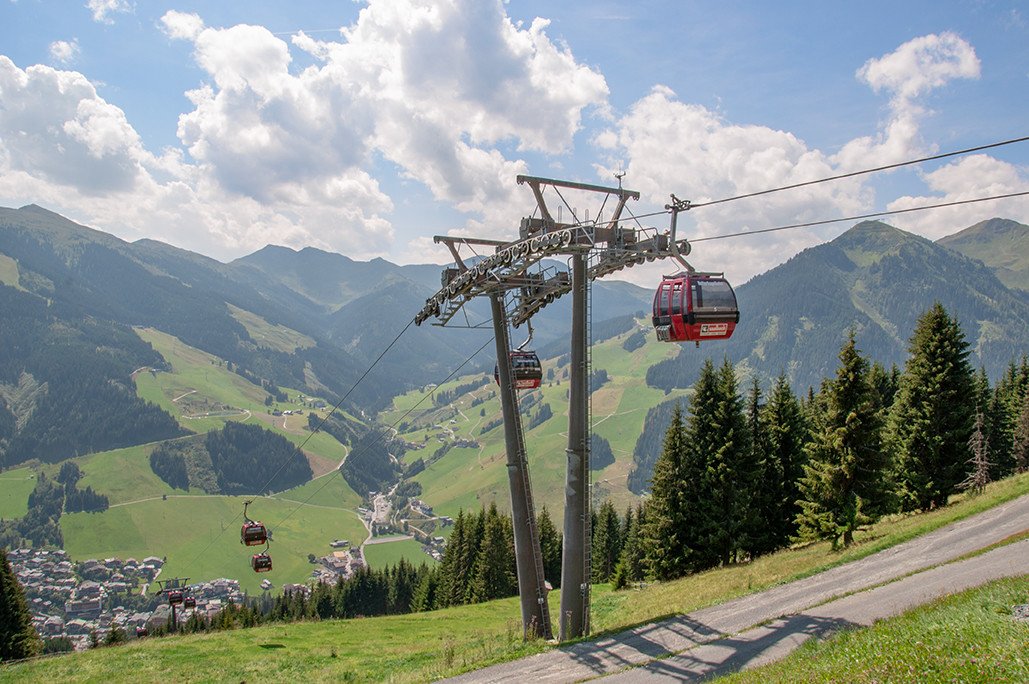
(401, 588)
(931, 420)
(1020, 439)
(455, 567)
(426, 590)
(631, 566)
(886, 384)
(550, 548)
(842, 485)
(494, 575)
(668, 528)
(18, 638)
(607, 543)
(719, 432)
(783, 432)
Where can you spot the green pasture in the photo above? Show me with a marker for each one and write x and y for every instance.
(201, 382)
(419, 647)
(15, 487)
(9, 274)
(389, 553)
(199, 535)
(328, 490)
(124, 475)
(268, 335)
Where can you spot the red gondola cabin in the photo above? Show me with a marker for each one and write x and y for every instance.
(526, 370)
(253, 533)
(694, 308)
(190, 602)
(261, 562)
(175, 597)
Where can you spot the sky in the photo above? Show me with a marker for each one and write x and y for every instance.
(365, 128)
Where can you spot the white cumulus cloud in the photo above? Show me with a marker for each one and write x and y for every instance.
(103, 9)
(64, 51)
(181, 25)
(668, 145)
(437, 88)
(906, 74)
(968, 178)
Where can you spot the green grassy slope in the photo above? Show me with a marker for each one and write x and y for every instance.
(199, 384)
(384, 555)
(429, 646)
(469, 477)
(9, 274)
(269, 335)
(968, 637)
(141, 522)
(123, 475)
(15, 487)
(199, 535)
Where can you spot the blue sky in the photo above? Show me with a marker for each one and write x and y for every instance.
(365, 128)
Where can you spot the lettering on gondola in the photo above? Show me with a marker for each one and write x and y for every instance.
(713, 329)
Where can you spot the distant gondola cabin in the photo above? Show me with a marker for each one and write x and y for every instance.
(261, 562)
(526, 370)
(253, 533)
(694, 308)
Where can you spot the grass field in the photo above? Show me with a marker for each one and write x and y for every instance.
(199, 383)
(199, 535)
(968, 637)
(9, 272)
(15, 487)
(269, 336)
(123, 475)
(428, 646)
(384, 555)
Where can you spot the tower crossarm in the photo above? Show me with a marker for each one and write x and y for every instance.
(509, 266)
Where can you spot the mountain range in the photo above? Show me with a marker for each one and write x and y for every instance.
(83, 291)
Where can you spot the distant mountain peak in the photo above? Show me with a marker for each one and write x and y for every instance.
(1001, 244)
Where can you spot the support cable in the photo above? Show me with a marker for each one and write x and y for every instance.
(862, 172)
(851, 174)
(861, 216)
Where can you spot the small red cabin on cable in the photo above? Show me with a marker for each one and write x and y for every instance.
(253, 533)
(190, 602)
(175, 597)
(261, 562)
(694, 307)
(526, 370)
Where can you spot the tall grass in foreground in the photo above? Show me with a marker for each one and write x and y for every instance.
(968, 637)
(426, 646)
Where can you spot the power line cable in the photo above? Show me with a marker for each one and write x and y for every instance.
(851, 174)
(827, 179)
(860, 217)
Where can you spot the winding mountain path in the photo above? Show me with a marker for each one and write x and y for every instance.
(684, 635)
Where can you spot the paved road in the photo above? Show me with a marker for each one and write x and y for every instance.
(643, 644)
(779, 638)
